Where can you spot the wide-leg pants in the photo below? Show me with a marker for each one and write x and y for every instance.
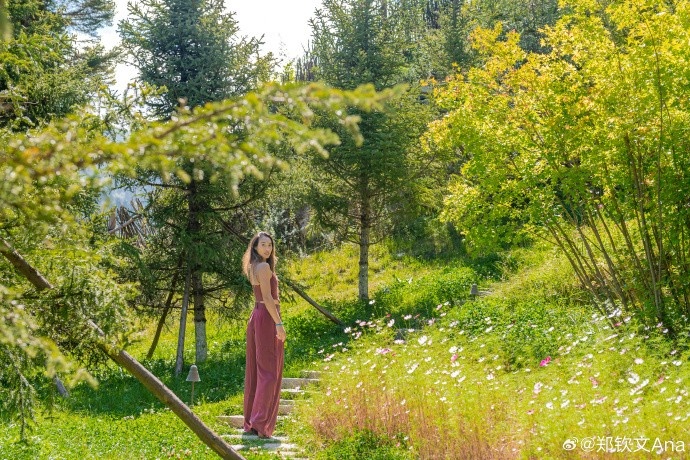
(264, 372)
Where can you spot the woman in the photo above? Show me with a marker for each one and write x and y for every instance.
(265, 339)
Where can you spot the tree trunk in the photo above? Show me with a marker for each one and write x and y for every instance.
(199, 318)
(179, 360)
(194, 229)
(364, 241)
(150, 381)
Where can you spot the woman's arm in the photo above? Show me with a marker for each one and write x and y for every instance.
(264, 277)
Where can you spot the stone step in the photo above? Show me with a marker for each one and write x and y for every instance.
(278, 446)
(292, 382)
(241, 435)
(308, 374)
(285, 409)
(236, 421)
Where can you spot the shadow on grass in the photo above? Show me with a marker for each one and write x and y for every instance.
(119, 394)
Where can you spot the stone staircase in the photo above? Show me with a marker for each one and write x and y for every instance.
(280, 445)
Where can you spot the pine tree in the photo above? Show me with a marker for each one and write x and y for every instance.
(359, 188)
(192, 49)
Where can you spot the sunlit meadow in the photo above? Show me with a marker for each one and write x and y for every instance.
(524, 371)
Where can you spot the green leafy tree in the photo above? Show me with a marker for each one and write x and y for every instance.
(566, 146)
(43, 74)
(47, 187)
(359, 188)
(194, 52)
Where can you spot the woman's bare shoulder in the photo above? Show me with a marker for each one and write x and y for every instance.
(263, 269)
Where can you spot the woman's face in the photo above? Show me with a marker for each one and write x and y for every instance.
(264, 247)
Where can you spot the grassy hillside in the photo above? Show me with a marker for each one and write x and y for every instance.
(422, 371)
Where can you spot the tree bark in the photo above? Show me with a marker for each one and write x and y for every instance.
(179, 360)
(194, 229)
(199, 318)
(150, 381)
(364, 241)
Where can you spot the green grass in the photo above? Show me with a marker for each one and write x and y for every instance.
(465, 383)
(515, 374)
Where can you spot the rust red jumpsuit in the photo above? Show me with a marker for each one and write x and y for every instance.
(264, 371)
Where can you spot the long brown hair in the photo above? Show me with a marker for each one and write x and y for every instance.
(251, 257)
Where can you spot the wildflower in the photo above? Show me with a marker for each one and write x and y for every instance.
(639, 360)
(454, 358)
(453, 349)
(549, 405)
(423, 339)
(545, 361)
(677, 363)
(347, 330)
(391, 322)
(383, 351)
(530, 412)
(412, 368)
(537, 388)
(594, 381)
(634, 378)
(407, 317)
(372, 301)
(439, 306)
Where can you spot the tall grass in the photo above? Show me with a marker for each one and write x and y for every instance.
(528, 371)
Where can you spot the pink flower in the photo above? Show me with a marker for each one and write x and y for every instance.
(594, 382)
(454, 358)
(545, 361)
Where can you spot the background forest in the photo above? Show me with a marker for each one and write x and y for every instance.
(416, 148)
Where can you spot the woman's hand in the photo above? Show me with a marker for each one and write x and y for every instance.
(280, 333)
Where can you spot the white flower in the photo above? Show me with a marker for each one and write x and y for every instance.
(638, 361)
(634, 378)
(677, 363)
(422, 340)
(453, 349)
(391, 322)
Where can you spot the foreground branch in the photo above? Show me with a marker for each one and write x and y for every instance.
(122, 358)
